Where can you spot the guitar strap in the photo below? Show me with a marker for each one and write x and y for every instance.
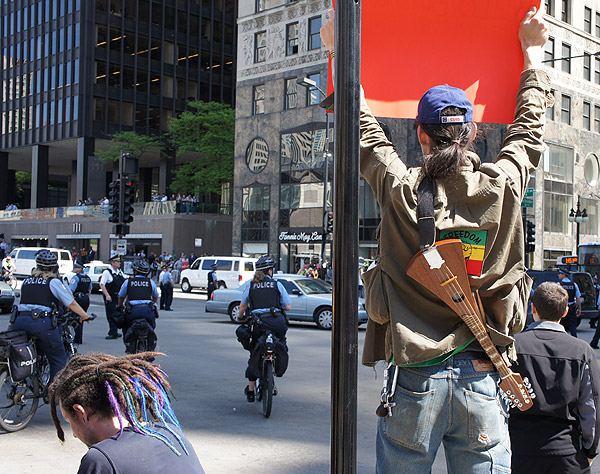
(425, 215)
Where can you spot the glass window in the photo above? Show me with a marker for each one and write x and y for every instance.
(565, 11)
(565, 109)
(587, 20)
(101, 35)
(255, 213)
(597, 70)
(99, 106)
(127, 115)
(291, 39)
(587, 66)
(76, 102)
(182, 21)
(128, 78)
(549, 52)
(258, 100)
(69, 37)
(76, 71)
(558, 188)
(59, 106)
(61, 43)
(566, 53)
(313, 97)
(77, 35)
(260, 5)
(155, 50)
(291, 93)
(68, 72)
(587, 110)
(67, 109)
(170, 18)
(140, 115)
(314, 36)
(598, 24)
(114, 75)
(260, 47)
(157, 14)
(154, 83)
(597, 118)
(113, 111)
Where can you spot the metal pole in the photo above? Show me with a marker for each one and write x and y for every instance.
(326, 164)
(344, 360)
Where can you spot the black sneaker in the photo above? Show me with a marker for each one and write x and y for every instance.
(111, 336)
(249, 394)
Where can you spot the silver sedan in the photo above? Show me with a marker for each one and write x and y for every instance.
(311, 300)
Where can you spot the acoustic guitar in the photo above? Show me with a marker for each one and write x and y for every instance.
(441, 269)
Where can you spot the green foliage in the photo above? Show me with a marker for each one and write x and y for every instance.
(209, 130)
(130, 142)
(22, 184)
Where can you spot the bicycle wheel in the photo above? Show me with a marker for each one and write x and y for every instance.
(18, 402)
(267, 388)
(141, 345)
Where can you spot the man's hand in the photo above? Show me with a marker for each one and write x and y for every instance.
(533, 34)
(328, 31)
(108, 298)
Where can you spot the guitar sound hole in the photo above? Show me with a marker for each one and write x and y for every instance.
(458, 297)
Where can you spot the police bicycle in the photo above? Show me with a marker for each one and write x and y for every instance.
(19, 400)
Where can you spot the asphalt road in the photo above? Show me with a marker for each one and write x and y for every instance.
(206, 367)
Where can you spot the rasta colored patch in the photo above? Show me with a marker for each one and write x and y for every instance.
(473, 247)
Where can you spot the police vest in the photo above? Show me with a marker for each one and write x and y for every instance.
(264, 294)
(115, 285)
(36, 290)
(84, 283)
(570, 287)
(139, 289)
(211, 278)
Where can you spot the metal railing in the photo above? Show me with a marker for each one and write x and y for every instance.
(140, 209)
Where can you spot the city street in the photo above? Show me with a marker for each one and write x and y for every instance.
(206, 366)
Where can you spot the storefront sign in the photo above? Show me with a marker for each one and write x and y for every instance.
(300, 237)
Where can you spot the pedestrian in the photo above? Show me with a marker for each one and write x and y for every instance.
(110, 283)
(446, 387)
(166, 289)
(571, 320)
(560, 433)
(213, 281)
(119, 408)
(176, 271)
(329, 274)
(594, 321)
(81, 287)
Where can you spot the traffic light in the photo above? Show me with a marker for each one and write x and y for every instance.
(529, 236)
(128, 200)
(113, 202)
(328, 222)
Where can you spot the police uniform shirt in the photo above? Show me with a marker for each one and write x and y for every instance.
(284, 298)
(58, 289)
(75, 281)
(166, 277)
(123, 291)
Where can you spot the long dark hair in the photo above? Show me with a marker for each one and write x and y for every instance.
(450, 144)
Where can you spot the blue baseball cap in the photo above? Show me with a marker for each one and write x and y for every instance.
(437, 99)
(77, 265)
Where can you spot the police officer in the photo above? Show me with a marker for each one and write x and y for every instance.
(41, 294)
(594, 321)
(571, 319)
(166, 288)
(81, 287)
(262, 295)
(212, 281)
(141, 294)
(110, 283)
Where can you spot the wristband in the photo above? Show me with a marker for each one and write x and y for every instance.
(332, 54)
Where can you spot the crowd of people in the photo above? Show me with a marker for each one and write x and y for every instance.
(11, 207)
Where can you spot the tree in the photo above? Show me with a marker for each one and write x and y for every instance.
(209, 130)
(130, 142)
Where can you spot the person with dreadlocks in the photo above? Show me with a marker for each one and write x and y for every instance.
(119, 407)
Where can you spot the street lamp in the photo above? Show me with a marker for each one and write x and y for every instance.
(310, 85)
(578, 217)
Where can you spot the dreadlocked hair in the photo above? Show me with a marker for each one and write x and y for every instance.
(450, 144)
(129, 387)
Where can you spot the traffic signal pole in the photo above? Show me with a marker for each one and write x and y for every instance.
(344, 358)
(121, 191)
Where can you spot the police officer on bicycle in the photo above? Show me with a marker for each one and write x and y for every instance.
(42, 295)
(81, 286)
(141, 295)
(266, 298)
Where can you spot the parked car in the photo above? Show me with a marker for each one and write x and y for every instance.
(584, 282)
(7, 297)
(311, 300)
(94, 270)
(231, 272)
(24, 260)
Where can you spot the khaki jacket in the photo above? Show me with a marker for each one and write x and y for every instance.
(408, 322)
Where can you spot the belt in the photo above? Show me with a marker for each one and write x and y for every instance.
(41, 314)
(79, 295)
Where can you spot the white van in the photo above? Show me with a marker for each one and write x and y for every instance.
(231, 272)
(24, 260)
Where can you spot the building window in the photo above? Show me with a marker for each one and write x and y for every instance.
(256, 205)
(549, 52)
(257, 155)
(597, 118)
(587, 20)
(314, 36)
(291, 93)
(598, 24)
(591, 226)
(558, 188)
(313, 97)
(549, 6)
(587, 66)
(260, 5)
(260, 47)
(597, 70)
(566, 53)
(587, 110)
(291, 39)
(565, 11)
(565, 109)
(258, 100)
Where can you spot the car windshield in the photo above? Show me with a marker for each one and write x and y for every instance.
(313, 286)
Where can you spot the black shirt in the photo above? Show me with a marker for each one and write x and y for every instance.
(135, 453)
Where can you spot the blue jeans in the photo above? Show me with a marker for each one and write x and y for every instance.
(454, 402)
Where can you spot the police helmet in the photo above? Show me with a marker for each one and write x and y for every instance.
(264, 263)
(141, 267)
(46, 260)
